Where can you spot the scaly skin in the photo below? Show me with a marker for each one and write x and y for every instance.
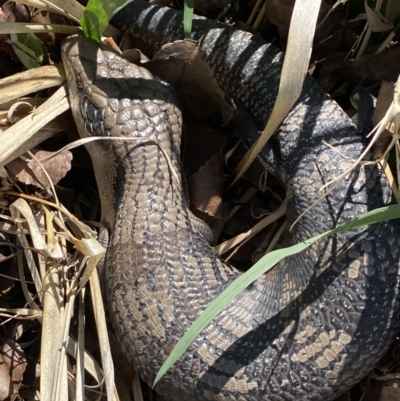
(309, 329)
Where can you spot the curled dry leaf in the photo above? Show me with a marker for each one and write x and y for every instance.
(48, 38)
(12, 368)
(376, 21)
(130, 42)
(31, 172)
(206, 187)
(383, 66)
(11, 12)
(14, 12)
(135, 56)
(183, 65)
(385, 98)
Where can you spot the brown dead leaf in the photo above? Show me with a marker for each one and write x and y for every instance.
(279, 13)
(389, 393)
(183, 65)
(31, 172)
(132, 42)
(384, 66)
(326, 79)
(10, 12)
(135, 56)
(342, 38)
(206, 187)
(376, 21)
(48, 38)
(385, 98)
(14, 12)
(201, 143)
(12, 368)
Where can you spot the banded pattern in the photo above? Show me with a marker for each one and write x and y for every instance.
(309, 329)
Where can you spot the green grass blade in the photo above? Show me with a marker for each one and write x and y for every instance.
(28, 47)
(187, 18)
(97, 14)
(262, 266)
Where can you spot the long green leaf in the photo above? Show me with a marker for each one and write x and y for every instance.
(262, 266)
(28, 47)
(97, 14)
